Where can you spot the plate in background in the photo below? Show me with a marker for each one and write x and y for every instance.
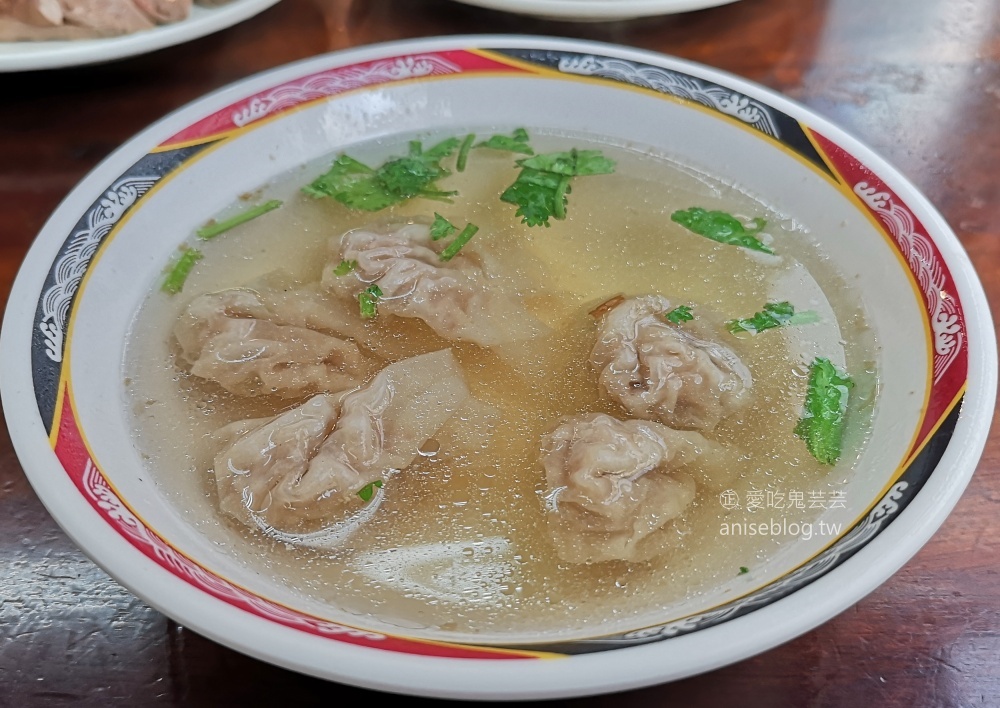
(596, 10)
(26, 56)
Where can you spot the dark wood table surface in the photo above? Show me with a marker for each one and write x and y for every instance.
(918, 80)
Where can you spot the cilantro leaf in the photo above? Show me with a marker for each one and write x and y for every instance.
(368, 491)
(214, 228)
(345, 267)
(353, 184)
(455, 246)
(517, 142)
(180, 269)
(443, 149)
(541, 188)
(774, 314)
(441, 228)
(822, 422)
(743, 570)
(679, 314)
(722, 227)
(358, 186)
(572, 164)
(535, 193)
(368, 301)
(406, 177)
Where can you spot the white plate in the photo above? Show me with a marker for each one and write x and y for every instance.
(596, 10)
(24, 56)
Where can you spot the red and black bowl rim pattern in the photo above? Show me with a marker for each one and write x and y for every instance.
(946, 323)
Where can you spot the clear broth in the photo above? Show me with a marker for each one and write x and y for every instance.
(459, 548)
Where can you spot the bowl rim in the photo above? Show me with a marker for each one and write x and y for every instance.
(635, 666)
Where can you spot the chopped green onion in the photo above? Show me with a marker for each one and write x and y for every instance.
(214, 228)
(179, 270)
(722, 227)
(463, 152)
(744, 570)
(822, 422)
(441, 228)
(774, 314)
(679, 314)
(438, 195)
(368, 301)
(368, 491)
(455, 246)
(345, 267)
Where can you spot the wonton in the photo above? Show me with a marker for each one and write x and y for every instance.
(659, 371)
(309, 464)
(614, 486)
(455, 298)
(254, 343)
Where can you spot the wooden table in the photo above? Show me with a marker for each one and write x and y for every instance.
(918, 80)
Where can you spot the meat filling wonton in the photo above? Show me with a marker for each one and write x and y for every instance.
(456, 298)
(661, 372)
(614, 486)
(309, 464)
(254, 344)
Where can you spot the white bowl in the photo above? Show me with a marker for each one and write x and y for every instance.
(100, 253)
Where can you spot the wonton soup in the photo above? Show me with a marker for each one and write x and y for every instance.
(496, 387)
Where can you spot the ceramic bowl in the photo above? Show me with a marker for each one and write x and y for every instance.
(104, 248)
